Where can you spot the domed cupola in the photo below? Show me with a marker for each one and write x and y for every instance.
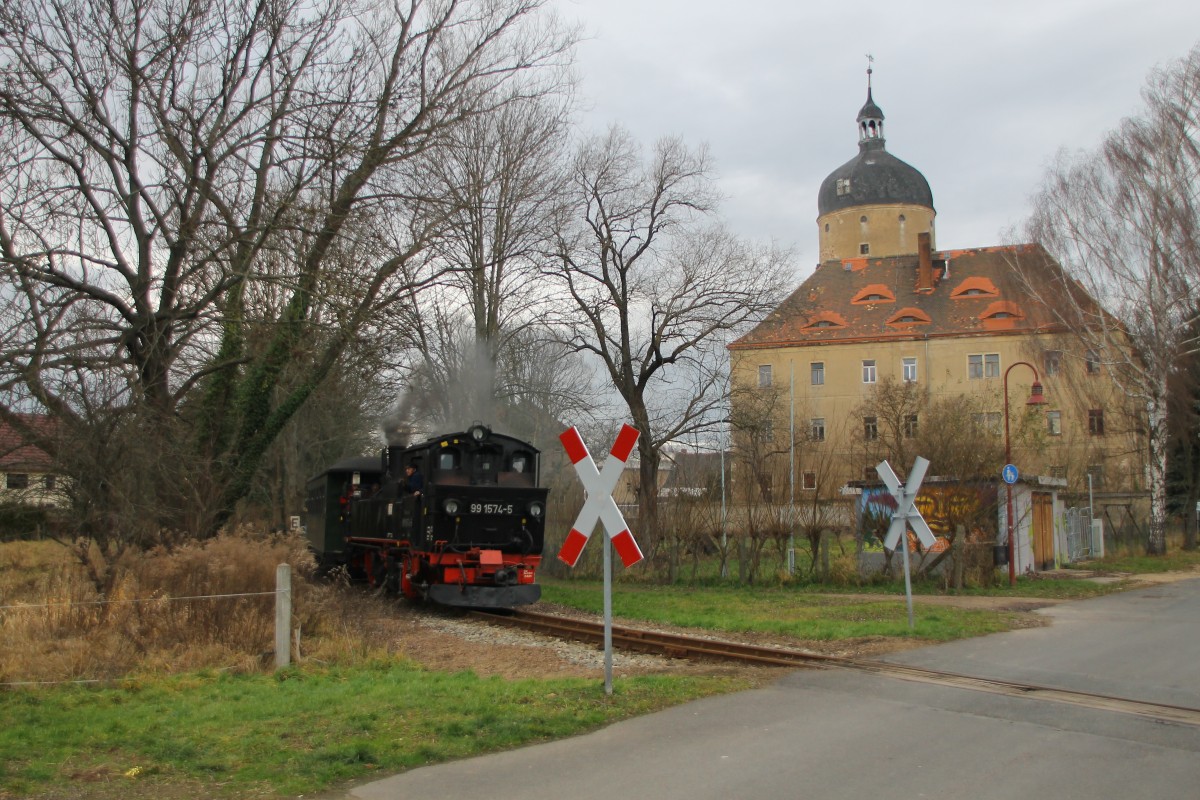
(874, 204)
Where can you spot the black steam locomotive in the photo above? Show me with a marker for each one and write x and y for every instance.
(458, 519)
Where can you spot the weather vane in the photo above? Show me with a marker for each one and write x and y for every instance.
(870, 61)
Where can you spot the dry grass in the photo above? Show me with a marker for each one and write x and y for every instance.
(56, 627)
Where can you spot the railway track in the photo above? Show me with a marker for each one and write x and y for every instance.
(694, 647)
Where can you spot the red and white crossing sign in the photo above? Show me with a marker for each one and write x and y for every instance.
(600, 505)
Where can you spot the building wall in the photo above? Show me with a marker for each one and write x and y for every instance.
(889, 230)
(30, 487)
(943, 367)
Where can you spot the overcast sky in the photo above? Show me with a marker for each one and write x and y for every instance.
(978, 96)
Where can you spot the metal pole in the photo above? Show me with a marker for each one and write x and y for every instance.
(608, 650)
(1035, 398)
(724, 535)
(791, 554)
(1008, 517)
(907, 579)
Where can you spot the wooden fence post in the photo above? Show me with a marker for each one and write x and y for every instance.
(283, 615)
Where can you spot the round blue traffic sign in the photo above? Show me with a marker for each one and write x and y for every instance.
(1009, 473)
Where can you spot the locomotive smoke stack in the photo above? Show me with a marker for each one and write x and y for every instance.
(398, 434)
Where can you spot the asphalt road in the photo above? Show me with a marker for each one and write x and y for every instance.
(841, 734)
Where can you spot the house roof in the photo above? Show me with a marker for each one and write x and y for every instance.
(16, 452)
(975, 292)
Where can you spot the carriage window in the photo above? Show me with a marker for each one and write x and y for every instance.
(521, 462)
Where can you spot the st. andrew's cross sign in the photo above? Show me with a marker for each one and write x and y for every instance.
(906, 514)
(600, 505)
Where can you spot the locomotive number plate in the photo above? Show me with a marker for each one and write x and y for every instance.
(492, 508)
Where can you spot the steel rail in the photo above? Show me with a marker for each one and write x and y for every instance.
(697, 647)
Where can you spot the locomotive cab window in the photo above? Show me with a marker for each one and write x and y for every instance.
(448, 466)
(519, 470)
(487, 464)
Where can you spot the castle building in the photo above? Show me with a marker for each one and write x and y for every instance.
(873, 353)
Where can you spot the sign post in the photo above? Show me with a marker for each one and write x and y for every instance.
(905, 515)
(599, 506)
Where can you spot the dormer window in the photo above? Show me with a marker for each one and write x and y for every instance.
(873, 293)
(843, 186)
(1001, 313)
(909, 316)
(826, 319)
(974, 287)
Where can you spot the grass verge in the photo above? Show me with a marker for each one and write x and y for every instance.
(802, 615)
(298, 732)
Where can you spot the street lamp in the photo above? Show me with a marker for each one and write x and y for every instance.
(1036, 398)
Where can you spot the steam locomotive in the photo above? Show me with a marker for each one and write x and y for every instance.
(468, 532)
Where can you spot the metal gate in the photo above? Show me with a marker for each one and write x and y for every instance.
(1079, 534)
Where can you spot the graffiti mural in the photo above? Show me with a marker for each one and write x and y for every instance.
(945, 506)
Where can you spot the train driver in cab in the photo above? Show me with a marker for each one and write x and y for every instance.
(413, 482)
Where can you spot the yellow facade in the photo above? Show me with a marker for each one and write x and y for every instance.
(835, 382)
(874, 230)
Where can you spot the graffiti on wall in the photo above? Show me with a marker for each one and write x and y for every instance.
(944, 506)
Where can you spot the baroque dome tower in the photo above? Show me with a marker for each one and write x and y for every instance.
(874, 205)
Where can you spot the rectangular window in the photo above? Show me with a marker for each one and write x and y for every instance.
(764, 376)
(810, 481)
(1093, 362)
(18, 480)
(910, 426)
(864, 249)
(991, 365)
(49, 482)
(818, 373)
(868, 370)
(1096, 476)
(1052, 362)
(989, 422)
(983, 365)
(1054, 423)
(909, 366)
(1096, 421)
(1058, 471)
(870, 428)
(816, 429)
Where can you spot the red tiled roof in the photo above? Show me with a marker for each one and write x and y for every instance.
(15, 450)
(830, 292)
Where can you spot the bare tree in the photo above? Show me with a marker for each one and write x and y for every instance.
(503, 181)
(652, 290)
(1122, 221)
(195, 198)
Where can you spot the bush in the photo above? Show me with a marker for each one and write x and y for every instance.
(169, 610)
(18, 521)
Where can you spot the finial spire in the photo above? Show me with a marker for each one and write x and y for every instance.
(870, 62)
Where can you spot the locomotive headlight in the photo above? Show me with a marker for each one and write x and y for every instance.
(450, 506)
(478, 432)
(536, 509)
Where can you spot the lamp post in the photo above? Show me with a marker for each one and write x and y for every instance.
(1035, 399)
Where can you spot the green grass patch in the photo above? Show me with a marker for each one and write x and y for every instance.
(1174, 560)
(804, 615)
(297, 732)
(1027, 586)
